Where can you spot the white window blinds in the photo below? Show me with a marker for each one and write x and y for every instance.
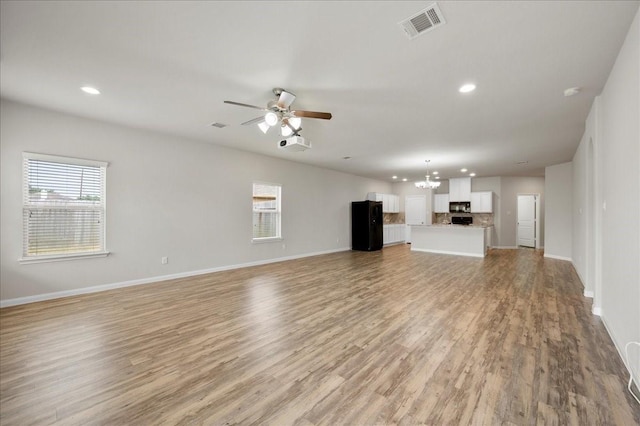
(63, 206)
(266, 211)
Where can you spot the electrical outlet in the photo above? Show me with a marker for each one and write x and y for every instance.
(164, 260)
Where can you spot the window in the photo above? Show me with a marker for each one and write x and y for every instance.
(63, 207)
(266, 211)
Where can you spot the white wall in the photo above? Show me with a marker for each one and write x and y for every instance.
(510, 188)
(607, 193)
(585, 206)
(166, 196)
(558, 229)
(620, 143)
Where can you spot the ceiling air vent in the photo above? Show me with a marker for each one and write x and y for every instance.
(218, 125)
(423, 21)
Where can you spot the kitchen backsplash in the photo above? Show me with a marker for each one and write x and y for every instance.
(393, 218)
(478, 218)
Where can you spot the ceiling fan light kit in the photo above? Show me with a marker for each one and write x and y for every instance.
(290, 126)
(279, 111)
(271, 118)
(264, 127)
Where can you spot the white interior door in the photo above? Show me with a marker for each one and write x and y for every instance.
(415, 207)
(527, 220)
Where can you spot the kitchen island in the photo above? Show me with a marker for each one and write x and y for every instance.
(463, 240)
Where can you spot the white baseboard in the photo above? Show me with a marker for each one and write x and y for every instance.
(586, 293)
(505, 247)
(596, 311)
(151, 280)
(553, 256)
(395, 243)
(578, 274)
(447, 252)
(619, 349)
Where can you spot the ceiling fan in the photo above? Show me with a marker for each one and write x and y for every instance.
(279, 111)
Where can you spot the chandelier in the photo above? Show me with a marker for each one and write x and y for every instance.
(427, 183)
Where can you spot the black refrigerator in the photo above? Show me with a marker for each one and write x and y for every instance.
(366, 225)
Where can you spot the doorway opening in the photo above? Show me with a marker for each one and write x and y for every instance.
(528, 221)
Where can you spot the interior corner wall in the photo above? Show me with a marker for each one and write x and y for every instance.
(620, 152)
(558, 211)
(166, 196)
(584, 203)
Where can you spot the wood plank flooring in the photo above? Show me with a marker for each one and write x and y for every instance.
(352, 338)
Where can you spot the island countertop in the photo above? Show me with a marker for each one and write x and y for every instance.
(442, 225)
(463, 240)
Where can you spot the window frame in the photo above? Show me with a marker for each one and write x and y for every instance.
(28, 205)
(278, 211)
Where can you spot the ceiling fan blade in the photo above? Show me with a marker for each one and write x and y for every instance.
(253, 121)
(312, 114)
(285, 99)
(244, 105)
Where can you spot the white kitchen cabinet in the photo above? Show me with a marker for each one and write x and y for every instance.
(460, 189)
(393, 203)
(482, 202)
(393, 234)
(488, 231)
(390, 202)
(375, 196)
(441, 203)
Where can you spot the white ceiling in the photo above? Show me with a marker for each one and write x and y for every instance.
(168, 67)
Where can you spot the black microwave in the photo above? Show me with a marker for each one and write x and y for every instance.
(459, 207)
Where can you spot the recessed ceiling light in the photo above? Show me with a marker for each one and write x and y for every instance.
(472, 174)
(90, 90)
(404, 179)
(394, 177)
(437, 177)
(572, 91)
(466, 88)
(435, 173)
(463, 170)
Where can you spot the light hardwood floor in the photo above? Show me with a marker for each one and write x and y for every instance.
(353, 338)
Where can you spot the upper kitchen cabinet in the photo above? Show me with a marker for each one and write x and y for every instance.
(482, 202)
(441, 203)
(390, 202)
(460, 189)
(394, 203)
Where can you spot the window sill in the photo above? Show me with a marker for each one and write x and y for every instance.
(266, 240)
(62, 257)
